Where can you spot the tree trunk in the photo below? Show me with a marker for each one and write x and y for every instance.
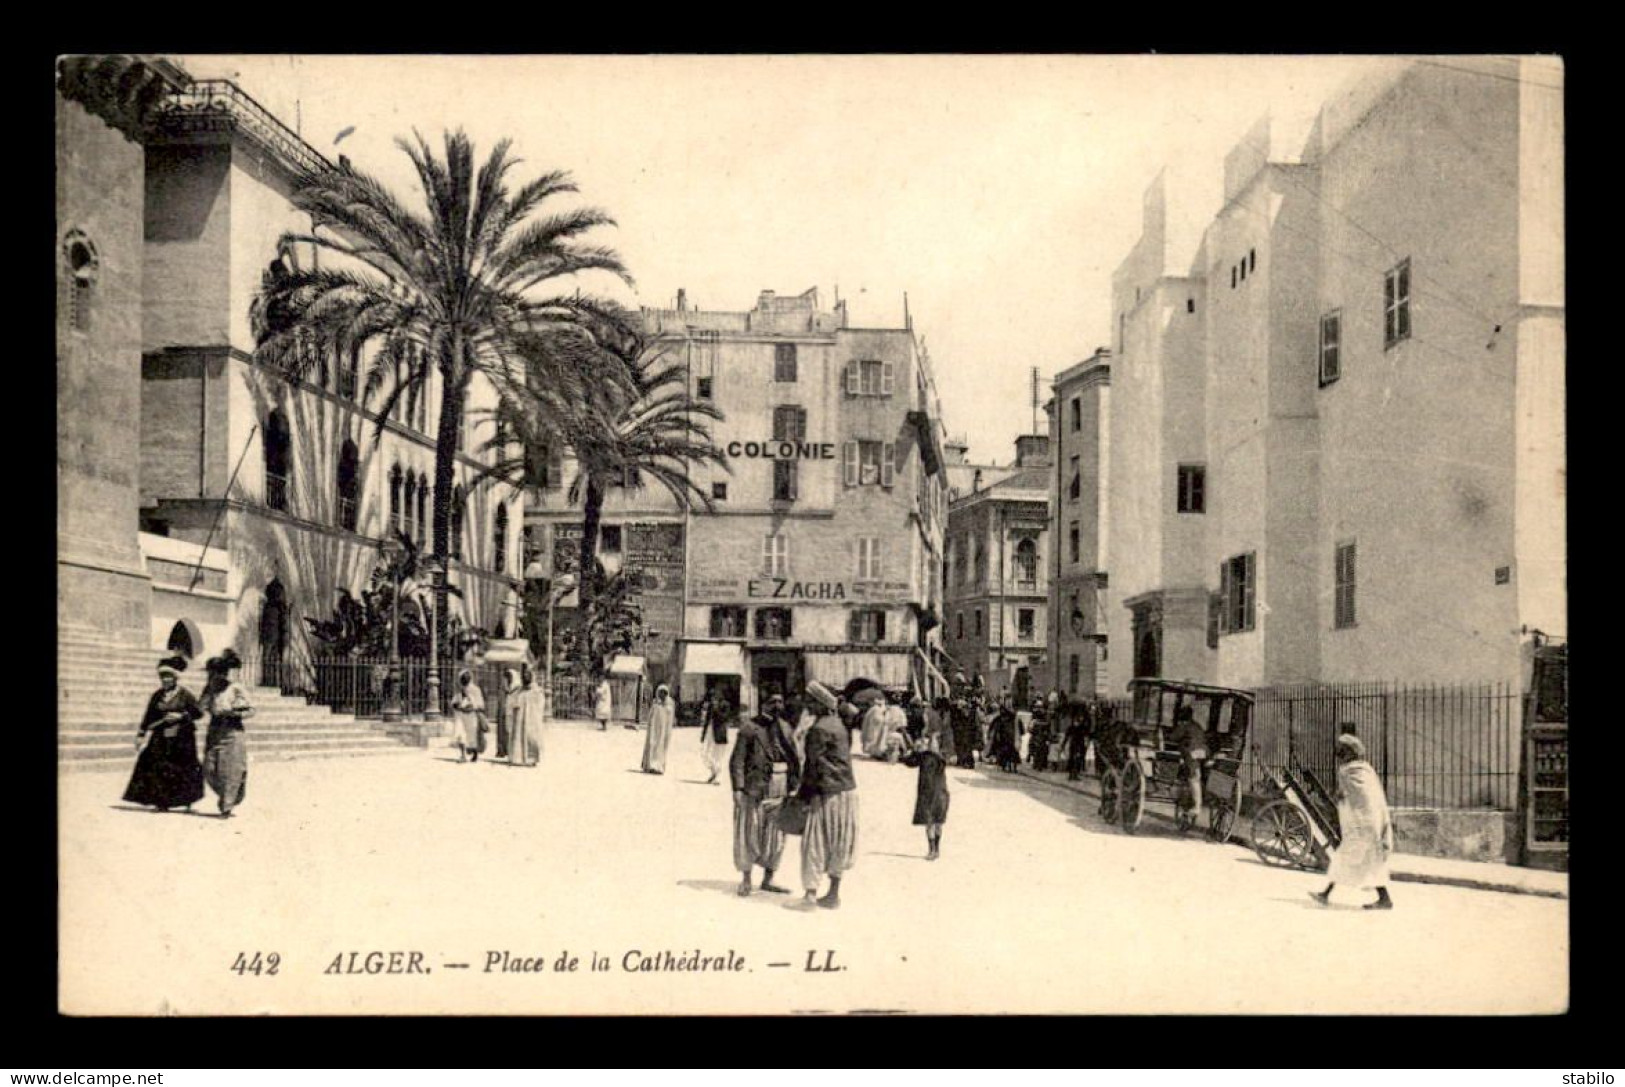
(592, 512)
(445, 466)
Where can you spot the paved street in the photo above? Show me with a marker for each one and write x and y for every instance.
(1034, 906)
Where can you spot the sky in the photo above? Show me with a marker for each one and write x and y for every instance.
(998, 192)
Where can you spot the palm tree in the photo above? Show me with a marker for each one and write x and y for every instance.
(650, 430)
(455, 288)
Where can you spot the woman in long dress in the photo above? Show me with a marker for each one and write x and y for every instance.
(1365, 826)
(468, 709)
(932, 753)
(167, 773)
(661, 716)
(516, 726)
(225, 756)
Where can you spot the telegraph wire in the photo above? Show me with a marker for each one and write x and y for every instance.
(1489, 75)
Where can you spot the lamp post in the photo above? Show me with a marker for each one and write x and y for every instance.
(559, 588)
(392, 552)
(432, 711)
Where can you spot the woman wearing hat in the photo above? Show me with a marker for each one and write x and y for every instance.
(1366, 829)
(167, 774)
(225, 755)
(661, 715)
(829, 844)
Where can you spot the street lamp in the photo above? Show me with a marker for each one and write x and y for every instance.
(435, 568)
(393, 551)
(558, 589)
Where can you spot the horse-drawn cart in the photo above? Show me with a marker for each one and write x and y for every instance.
(1142, 762)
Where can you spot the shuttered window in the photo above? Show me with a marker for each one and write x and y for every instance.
(870, 377)
(776, 555)
(1344, 578)
(1396, 304)
(1331, 336)
(869, 558)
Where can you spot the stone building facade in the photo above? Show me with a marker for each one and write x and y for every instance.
(223, 503)
(1336, 428)
(998, 570)
(1082, 521)
(820, 558)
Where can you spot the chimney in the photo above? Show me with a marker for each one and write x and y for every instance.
(682, 300)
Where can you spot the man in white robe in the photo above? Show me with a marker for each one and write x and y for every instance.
(1364, 825)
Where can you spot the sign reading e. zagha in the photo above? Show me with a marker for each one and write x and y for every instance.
(729, 590)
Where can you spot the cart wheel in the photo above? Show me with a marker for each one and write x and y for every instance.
(1130, 796)
(1281, 836)
(1221, 821)
(1108, 795)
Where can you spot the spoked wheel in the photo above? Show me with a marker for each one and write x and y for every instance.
(1281, 836)
(1130, 796)
(1108, 795)
(1221, 821)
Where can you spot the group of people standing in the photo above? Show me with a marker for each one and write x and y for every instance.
(519, 733)
(985, 727)
(168, 773)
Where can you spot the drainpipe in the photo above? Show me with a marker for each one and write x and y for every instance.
(203, 427)
(1001, 587)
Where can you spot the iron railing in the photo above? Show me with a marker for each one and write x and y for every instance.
(1446, 746)
(212, 105)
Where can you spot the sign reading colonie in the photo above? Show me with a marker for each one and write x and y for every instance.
(770, 589)
(781, 450)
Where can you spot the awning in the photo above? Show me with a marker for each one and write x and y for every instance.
(628, 666)
(509, 651)
(713, 659)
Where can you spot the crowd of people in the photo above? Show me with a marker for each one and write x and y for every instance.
(790, 767)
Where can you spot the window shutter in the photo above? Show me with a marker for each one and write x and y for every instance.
(880, 626)
(1251, 588)
(1224, 597)
(767, 554)
(888, 375)
(801, 424)
(852, 378)
(888, 454)
(851, 461)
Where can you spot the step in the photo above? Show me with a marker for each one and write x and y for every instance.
(124, 707)
(96, 746)
(80, 735)
(265, 718)
(124, 761)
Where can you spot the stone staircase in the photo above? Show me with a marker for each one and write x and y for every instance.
(102, 689)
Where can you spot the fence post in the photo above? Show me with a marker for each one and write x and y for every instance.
(1387, 789)
(1291, 740)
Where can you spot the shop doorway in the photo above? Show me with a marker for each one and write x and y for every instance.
(776, 672)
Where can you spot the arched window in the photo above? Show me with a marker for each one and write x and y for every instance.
(423, 510)
(499, 543)
(458, 501)
(1027, 560)
(83, 266)
(395, 499)
(277, 466)
(411, 506)
(349, 489)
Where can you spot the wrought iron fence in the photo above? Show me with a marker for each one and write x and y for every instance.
(1453, 747)
(1433, 745)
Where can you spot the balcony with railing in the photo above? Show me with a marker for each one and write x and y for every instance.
(219, 105)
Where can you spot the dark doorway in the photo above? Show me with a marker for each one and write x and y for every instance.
(184, 639)
(273, 635)
(1148, 655)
